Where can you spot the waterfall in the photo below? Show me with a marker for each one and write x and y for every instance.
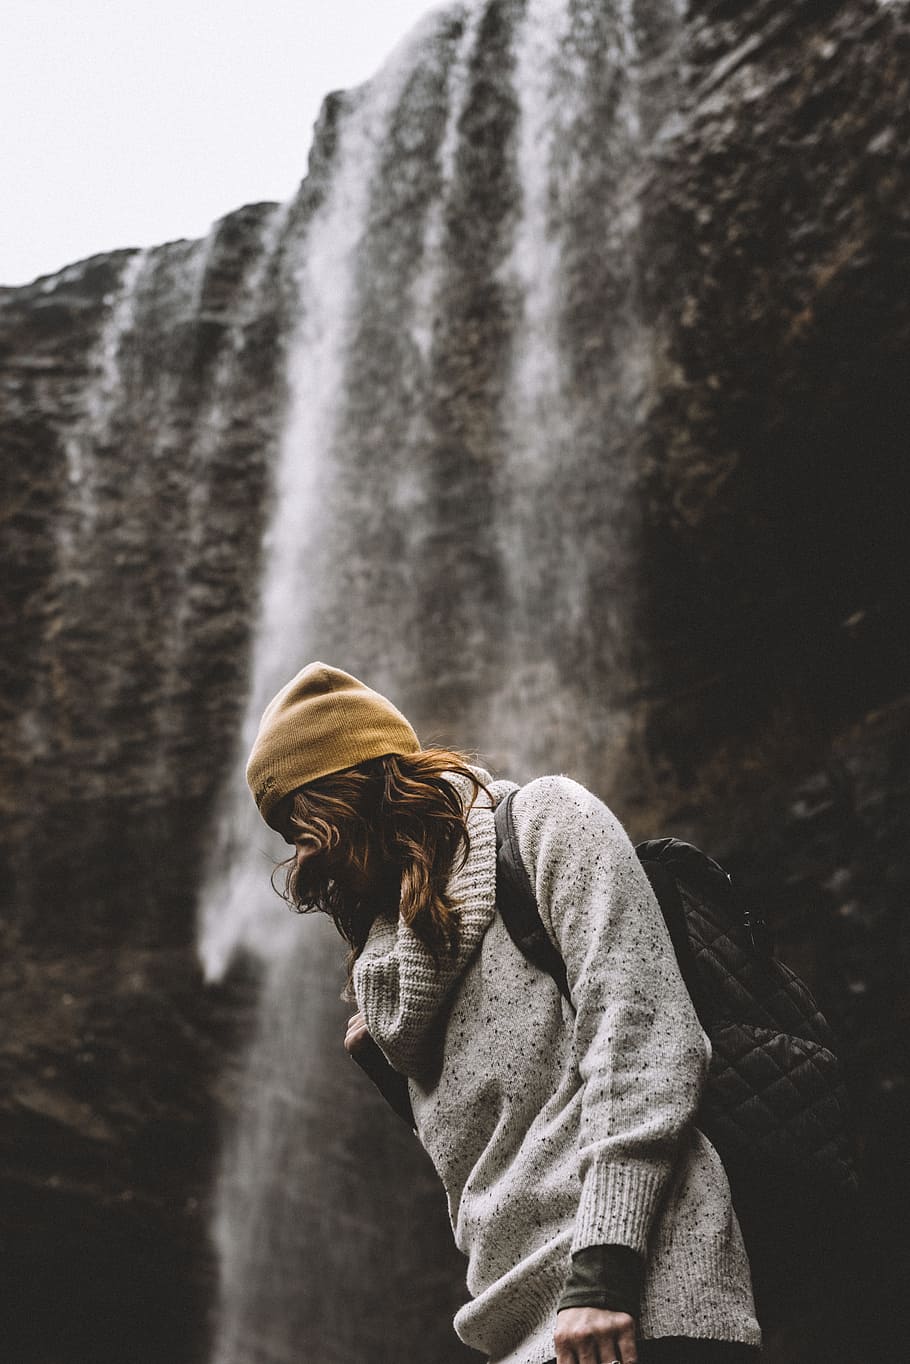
(217, 413)
(581, 383)
(452, 520)
(274, 1242)
(324, 277)
(119, 475)
(431, 258)
(84, 439)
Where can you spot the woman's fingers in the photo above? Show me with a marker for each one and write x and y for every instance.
(564, 1353)
(627, 1340)
(357, 1031)
(589, 1335)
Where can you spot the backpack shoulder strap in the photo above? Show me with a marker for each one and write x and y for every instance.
(517, 902)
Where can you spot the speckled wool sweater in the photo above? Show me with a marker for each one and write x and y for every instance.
(552, 1127)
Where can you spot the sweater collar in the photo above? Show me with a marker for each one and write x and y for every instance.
(398, 987)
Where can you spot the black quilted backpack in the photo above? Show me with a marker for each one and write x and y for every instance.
(775, 1106)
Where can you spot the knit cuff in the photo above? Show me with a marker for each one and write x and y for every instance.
(617, 1204)
(608, 1277)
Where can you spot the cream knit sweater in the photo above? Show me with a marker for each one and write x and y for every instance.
(555, 1128)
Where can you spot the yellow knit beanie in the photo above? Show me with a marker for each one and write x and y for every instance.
(323, 721)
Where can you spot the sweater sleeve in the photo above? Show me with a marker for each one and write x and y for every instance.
(608, 1277)
(640, 1050)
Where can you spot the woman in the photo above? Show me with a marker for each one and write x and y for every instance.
(596, 1218)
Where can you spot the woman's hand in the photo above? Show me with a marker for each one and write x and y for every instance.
(588, 1335)
(356, 1033)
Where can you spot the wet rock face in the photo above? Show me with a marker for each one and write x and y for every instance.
(777, 266)
(113, 1071)
(125, 643)
(610, 478)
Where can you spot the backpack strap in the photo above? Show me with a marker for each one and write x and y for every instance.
(517, 903)
(518, 907)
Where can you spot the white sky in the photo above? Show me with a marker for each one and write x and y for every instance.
(134, 122)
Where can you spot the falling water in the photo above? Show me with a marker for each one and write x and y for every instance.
(565, 431)
(539, 410)
(217, 413)
(92, 432)
(270, 1228)
(431, 266)
(452, 519)
(233, 909)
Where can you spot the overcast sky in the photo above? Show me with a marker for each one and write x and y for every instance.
(133, 122)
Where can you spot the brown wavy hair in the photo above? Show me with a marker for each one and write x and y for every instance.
(386, 835)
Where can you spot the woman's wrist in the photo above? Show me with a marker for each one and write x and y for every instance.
(608, 1277)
